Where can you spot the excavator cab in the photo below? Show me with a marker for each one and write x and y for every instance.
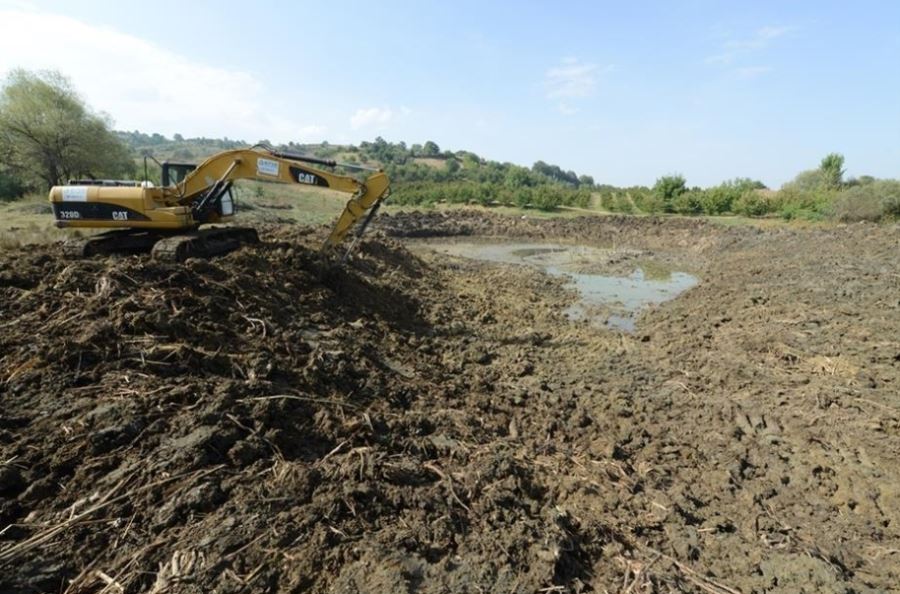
(174, 173)
(222, 201)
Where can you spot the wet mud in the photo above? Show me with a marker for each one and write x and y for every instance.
(614, 285)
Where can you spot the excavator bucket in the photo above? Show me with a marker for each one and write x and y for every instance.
(374, 191)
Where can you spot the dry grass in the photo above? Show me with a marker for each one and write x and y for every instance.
(28, 221)
(433, 163)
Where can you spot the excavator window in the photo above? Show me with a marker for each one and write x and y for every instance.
(174, 173)
(226, 204)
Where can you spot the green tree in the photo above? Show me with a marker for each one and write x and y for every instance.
(720, 199)
(518, 177)
(757, 203)
(431, 149)
(669, 187)
(832, 168)
(688, 203)
(11, 187)
(810, 180)
(50, 135)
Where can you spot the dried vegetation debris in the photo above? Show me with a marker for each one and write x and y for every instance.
(269, 421)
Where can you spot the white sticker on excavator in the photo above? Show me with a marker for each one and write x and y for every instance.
(267, 167)
(74, 194)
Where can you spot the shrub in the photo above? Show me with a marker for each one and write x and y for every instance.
(523, 197)
(11, 187)
(581, 198)
(857, 204)
(870, 202)
(544, 198)
(888, 192)
(648, 201)
(616, 201)
(721, 199)
(622, 203)
(795, 212)
(688, 203)
(804, 204)
(612, 200)
(717, 200)
(892, 206)
(756, 203)
(806, 181)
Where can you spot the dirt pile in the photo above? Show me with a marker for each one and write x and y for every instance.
(267, 421)
(270, 421)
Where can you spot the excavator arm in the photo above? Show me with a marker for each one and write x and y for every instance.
(215, 175)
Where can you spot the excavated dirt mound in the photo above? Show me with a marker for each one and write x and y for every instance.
(272, 421)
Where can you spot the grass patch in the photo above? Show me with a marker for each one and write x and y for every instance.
(29, 221)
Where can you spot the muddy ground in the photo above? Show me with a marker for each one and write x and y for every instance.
(270, 421)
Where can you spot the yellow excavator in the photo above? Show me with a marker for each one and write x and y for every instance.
(166, 220)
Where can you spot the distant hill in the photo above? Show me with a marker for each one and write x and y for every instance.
(177, 148)
(420, 173)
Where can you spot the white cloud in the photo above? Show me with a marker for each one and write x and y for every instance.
(571, 78)
(566, 109)
(18, 4)
(735, 51)
(725, 58)
(372, 117)
(310, 131)
(772, 32)
(761, 38)
(748, 72)
(142, 85)
(571, 81)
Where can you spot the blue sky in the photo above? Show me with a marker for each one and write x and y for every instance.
(625, 92)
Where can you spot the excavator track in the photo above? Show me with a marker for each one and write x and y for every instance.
(204, 243)
(124, 241)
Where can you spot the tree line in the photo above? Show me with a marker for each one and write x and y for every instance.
(814, 194)
(423, 174)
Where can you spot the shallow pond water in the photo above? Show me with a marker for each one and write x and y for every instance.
(615, 285)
